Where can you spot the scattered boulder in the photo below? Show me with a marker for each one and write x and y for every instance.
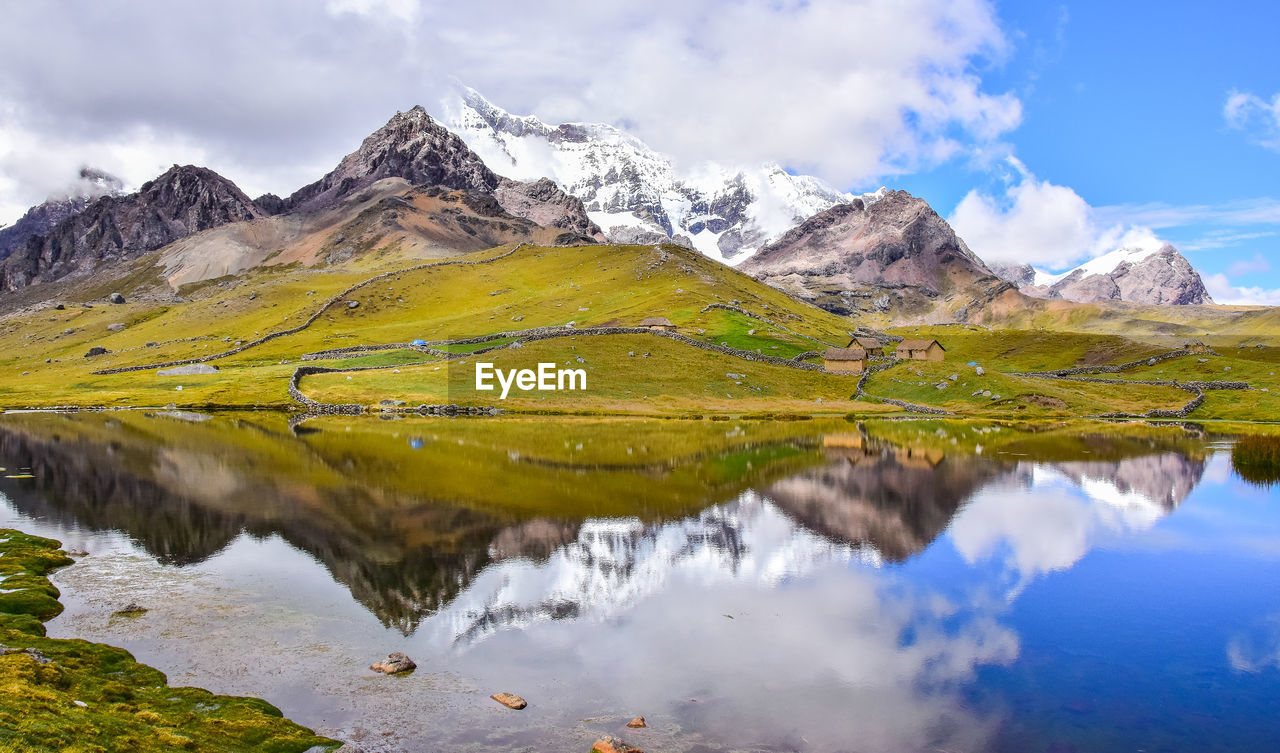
(608, 744)
(394, 663)
(115, 327)
(60, 307)
(190, 369)
(116, 298)
(353, 304)
(96, 350)
(979, 371)
(637, 723)
(253, 295)
(510, 700)
(391, 403)
(132, 609)
(954, 377)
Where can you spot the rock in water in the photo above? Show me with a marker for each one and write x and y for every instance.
(637, 723)
(613, 745)
(188, 370)
(133, 608)
(510, 700)
(394, 663)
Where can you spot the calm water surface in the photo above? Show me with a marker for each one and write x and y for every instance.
(879, 587)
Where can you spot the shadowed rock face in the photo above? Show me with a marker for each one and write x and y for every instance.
(42, 218)
(862, 248)
(416, 148)
(179, 203)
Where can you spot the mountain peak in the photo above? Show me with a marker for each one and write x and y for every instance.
(1152, 273)
(181, 201)
(883, 251)
(636, 193)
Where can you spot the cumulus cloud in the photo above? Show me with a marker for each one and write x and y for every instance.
(1258, 117)
(1040, 223)
(1223, 291)
(272, 94)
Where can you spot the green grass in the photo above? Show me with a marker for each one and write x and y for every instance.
(73, 696)
(537, 287)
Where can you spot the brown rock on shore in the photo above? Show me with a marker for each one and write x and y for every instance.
(608, 744)
(510, 700)
(394, 663)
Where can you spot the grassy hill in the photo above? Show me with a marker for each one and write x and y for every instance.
(504, 292)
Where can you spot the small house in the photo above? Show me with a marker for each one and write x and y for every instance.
(844, 360)
(873, 346)
(921, 350)
(658, 322)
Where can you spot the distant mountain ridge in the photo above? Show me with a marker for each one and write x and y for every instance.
(42, 218)
(635, 193)
(1157, 275)
(178, 203)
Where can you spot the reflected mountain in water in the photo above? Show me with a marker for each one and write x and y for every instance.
(493, 525)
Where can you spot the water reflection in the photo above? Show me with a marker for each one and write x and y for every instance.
(821, 586)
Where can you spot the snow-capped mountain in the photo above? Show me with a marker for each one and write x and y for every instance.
(1152, 273)
(636, 194)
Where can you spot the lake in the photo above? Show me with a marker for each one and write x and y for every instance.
(825, 585)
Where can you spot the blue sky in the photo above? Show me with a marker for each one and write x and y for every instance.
(1046, 132)
(1124, 103)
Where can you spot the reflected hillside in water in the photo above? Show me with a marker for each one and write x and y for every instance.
(571, 517)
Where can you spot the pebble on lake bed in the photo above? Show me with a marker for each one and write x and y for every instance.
(395, 662)
(637, 723)
(613, 745)
(132, 609)
(510, 700)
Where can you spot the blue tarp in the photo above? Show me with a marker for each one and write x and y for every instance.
(418, 342)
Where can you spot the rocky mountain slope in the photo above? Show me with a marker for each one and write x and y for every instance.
(42, 218)
(416, 148)
(890, 254)
(1152, 275)
(182, 201)
(636, 194)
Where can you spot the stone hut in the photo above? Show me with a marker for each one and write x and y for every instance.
(921, 350)
(658, 322)
(844, 360)
(873, 346)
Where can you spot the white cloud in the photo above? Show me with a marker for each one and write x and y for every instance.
(1257, 265)
(1224, 292)
(1037, 222)
(271, 93)
(1257, 117)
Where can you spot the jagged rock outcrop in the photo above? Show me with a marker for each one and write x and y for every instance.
(1018, 274)
(635, 193)
(416, 148)
(894, 253)
(42, 218)
(179, 203)
(543, 202)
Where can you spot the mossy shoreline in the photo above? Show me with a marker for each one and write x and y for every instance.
(75, 696)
